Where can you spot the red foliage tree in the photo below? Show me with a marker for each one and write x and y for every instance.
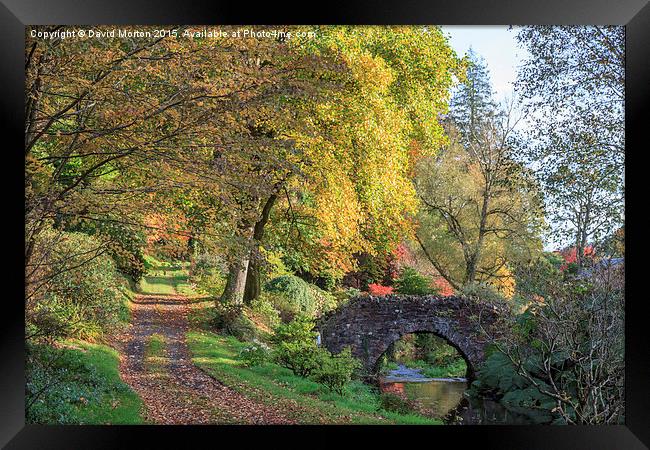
(570, 255)
(379, 290)
(444, 288)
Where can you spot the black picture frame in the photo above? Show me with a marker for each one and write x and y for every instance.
(16, 14)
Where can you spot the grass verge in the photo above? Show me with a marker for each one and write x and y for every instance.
(78, 383)
(303, 400)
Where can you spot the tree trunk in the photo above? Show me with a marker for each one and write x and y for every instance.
(234, 291)
(32, 105)
(253, 278)
(470, 273)
(582, 233)
(253, 287)
(580, 249)
(443, 273)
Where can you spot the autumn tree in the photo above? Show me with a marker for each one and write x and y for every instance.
(111, 123)
(205, 138)
(349, 190)
(480, 208)
(261, 154)
(84, 119)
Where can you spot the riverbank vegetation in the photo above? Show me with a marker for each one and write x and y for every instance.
(271, 180)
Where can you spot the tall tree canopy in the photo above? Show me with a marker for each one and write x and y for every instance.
(573, 88)
(212, 140)
(354, 194)
(481, 211)
(472, 103)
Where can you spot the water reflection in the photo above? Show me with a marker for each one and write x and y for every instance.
(438, 396)
(480, 411)
(445, 399)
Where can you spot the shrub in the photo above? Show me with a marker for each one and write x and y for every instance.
(298, 330)
(411, 282)
(335, 371)
(351, 293)
(255, 354)
(296, 349)
(83, 296)
(575, 340)
(264, 307)
(306, 298)
(324, 300)
(379, 290)
(125, 243)
(302, 360)
(295, 346)
(287, 310)
(498, 375)
(498, 378)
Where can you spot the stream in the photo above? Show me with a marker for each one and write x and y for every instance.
(445, 398)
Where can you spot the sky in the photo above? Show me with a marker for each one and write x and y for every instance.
(497, 45)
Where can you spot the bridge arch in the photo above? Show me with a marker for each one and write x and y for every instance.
(383, 349)
(368, 325)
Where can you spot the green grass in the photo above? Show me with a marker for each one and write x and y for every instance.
(304, 400)
(155, 355)
(80, 384)
(166, 278)
(457, 368)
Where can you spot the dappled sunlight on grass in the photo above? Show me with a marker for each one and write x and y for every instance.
(213, 360)
(166, 278)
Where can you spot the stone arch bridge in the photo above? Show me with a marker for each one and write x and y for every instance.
(368, 325)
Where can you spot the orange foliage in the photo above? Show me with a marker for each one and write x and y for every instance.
(443, 287)
(379, 290)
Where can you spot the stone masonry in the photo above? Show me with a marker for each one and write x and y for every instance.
(368, 325)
